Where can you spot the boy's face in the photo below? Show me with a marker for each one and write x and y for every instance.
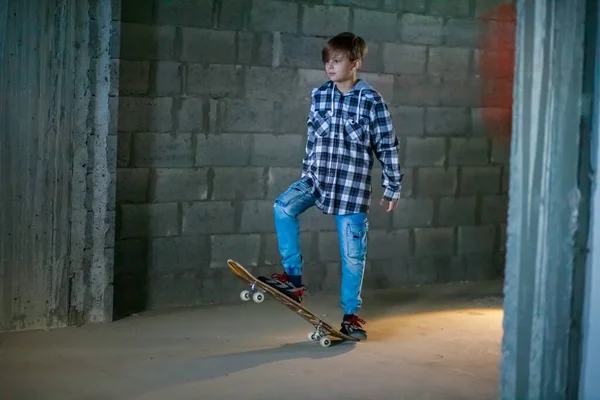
(339, 68)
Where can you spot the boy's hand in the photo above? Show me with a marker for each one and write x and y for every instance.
(391, 204)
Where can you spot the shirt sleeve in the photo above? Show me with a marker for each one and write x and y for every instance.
(310, 140)
(385, 144)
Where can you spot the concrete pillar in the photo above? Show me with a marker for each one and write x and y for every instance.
(548, 209)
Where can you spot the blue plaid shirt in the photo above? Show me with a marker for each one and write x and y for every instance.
(344, 132)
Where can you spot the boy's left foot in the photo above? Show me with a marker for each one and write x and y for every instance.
(351, 326)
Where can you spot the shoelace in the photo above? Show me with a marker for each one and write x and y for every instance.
(356, 321)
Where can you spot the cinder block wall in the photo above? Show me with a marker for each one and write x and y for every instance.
(213, 102)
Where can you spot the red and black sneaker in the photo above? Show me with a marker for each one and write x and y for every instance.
(283, 284)
(351, 326)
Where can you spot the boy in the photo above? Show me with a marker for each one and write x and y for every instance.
(348, 123)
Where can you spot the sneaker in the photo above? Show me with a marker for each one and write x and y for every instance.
(351, 326)
(282, 283)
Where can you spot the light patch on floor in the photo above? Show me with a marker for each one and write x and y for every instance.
(438, 342)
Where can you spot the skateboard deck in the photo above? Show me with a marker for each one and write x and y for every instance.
(257, 290)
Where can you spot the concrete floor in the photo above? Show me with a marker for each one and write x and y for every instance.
(439, 342)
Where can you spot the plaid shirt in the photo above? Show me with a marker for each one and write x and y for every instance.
(344, 131)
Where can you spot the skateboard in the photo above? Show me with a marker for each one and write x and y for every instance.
(257, 291)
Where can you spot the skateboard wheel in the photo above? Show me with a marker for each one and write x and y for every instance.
(325, 342)
(312, 336)
(258, 297)
(245, 295)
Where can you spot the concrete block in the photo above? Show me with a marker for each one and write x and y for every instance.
(137, 11)
(408, 121)
(476, 239)
(434, 241)
(166, 78)
(256, 48)
(134, 77)
(274, 15)
(505, 179)
(247, 115)
(453, 61)
(208, 217)
(383, 83)
(132, 185)
(468, 151)
(408, 182)
(421, 29)
(130, 257)
(269, 83)
(292, 117)
(328, 246)
(223, 150)
(388, 245)
(162, 150)
(232, 14)
(460, 92)
(148, 220)
(500, 150)
(324, 20)
(483, 267)
(449, 8)
(147, 42)
(499, 10)
(308, 79)
(447, 121)
(411, 6)
(239, 183)
(113, 118)
(384, 274)
(498, 35)
(461, 32)
(492, 122)
(178, 184)
(257, 216)
(404, 58)
(413, 213)
(123, 150)
(480, 180)
(494, 64)
(190, 115)
(214, 80)
(141, 114)
(278, 150)
(437, 269)
(279, 179)
(417, 90)
(497, 93)
(373, 62)
(196, 13)
(425, 152)
(358, 3)
(301, 52)
(313, 220)
(437, 181)
(245, 249)
(457, 211)
(209, 46)
(502, 237)
(271, 249)
(375, 25)
(170, 290)
(494, 209)
(177, 254)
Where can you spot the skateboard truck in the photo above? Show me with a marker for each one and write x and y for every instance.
(319, 336)
(257, 294)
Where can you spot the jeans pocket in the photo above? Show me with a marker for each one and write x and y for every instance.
(356, 240)
(296, 190)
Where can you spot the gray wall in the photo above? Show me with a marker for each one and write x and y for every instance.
(213, 102)
(55, 225)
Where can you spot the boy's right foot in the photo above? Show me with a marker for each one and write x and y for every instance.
(282, 283)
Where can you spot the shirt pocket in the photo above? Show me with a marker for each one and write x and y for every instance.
(357, 130)
(320, 123)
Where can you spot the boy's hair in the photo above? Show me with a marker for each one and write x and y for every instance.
(345, 43)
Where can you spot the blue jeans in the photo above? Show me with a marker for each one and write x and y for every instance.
(352, 235)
